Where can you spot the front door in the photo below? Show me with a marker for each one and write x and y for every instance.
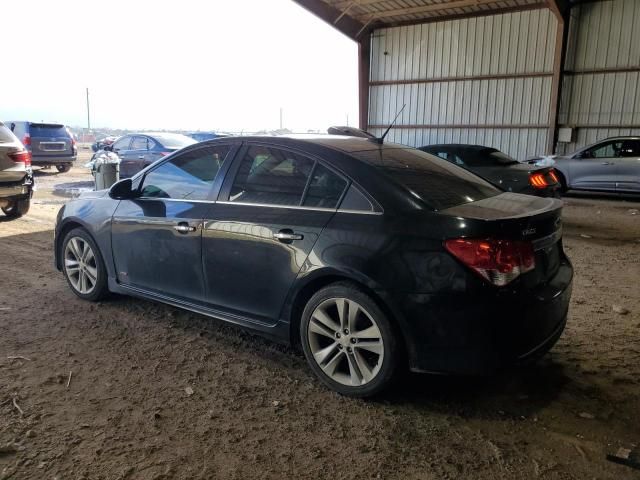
(157, 238)
(271, 210)
(121, 148)
(596, 167)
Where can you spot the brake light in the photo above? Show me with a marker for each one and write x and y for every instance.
(538, 180)
(26, 140)
(498, 261)
(164, 154)
(554, 177)
(22, 156)
(73, 139)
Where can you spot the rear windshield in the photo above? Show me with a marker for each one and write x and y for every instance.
(46, 130)
(481, 158)
(174, 140)
(436, 182)
(5, 135)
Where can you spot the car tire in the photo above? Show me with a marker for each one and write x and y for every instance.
(64, 168)
(83, 266)
(17, 208)
(355, 353)
(563, 181)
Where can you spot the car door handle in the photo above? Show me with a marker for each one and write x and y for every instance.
(184, 227)
(287, 236)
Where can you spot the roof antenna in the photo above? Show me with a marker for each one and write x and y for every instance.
(380, 140)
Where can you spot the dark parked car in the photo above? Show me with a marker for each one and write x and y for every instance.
(16, 179)
(611, 165)
(50, 144)
(204, 136)
(500, 169)
(366, 254)
(139, 150)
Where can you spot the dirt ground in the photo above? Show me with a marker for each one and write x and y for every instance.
(104, 391)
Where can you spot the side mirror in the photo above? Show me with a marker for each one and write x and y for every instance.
(108, 148)
(123, 190)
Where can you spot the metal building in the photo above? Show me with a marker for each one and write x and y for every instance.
(525, 76)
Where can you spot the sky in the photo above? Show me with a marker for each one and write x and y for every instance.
(190, 65)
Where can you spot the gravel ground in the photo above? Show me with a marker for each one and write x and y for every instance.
(137, 390)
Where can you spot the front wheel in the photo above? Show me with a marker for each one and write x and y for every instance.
(17, 208)
(83, 266)
(348, 341)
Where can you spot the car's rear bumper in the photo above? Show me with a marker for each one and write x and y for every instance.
(17, 189)
(474, 334)
(52, 160)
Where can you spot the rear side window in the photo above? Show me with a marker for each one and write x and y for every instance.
(189, 176)
(42, 130)
(325, 188)
(271, 176)
(438, 183)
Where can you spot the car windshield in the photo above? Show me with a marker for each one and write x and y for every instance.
(174, 140)
(48, 130)
(436, 182)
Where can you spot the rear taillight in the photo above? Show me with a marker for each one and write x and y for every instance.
(164, 154)
(23, 156)
(553, 176)
(538, 180)
(26, 140)
(498, 261)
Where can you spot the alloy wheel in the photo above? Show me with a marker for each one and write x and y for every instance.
(80, 265)
(345, 341)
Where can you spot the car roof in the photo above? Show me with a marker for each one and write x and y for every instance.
(458, 146)
(341, 143)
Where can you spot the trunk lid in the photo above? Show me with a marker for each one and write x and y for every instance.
(513, 216)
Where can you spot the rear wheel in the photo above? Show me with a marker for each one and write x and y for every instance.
(83, 266)
(64, 168)
(348, 341)
(17, 208)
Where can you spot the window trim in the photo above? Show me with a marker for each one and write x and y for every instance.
(216, 186)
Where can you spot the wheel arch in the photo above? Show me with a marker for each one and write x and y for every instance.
(323, 278)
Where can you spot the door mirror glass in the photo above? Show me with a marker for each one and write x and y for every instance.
(123, 190)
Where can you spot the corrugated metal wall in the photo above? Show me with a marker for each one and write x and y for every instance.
(601, 88)
(484, 80)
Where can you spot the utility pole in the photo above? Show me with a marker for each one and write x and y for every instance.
(280, 118)
(88, 116)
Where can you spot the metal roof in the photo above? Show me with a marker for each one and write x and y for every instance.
(354, 17)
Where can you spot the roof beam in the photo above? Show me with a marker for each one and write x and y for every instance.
(346, 24)
(436, 7)
(559, 8)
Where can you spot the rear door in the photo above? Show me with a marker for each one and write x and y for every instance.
(628, 167)
(50, 140)
(271, 210)
(595, 168)
(157, 238)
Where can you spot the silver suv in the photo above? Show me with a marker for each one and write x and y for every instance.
(16, 178)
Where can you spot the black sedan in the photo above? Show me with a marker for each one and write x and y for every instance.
(500, 169)
(369, 256)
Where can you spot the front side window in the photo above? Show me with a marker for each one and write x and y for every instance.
(271, 176)
(607, 150)
(122, 144)
(189, 176)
